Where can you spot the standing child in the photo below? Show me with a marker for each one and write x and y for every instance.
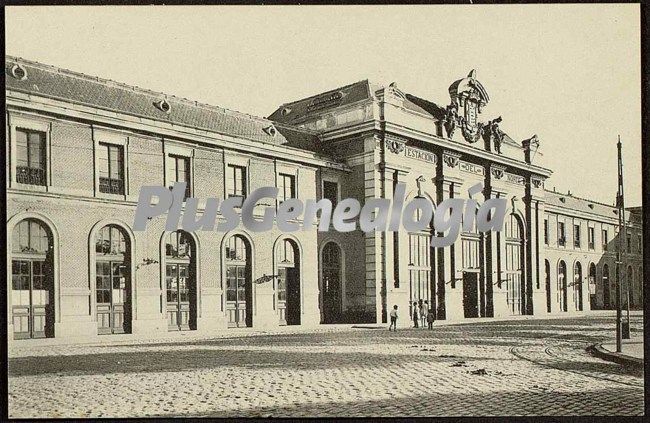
(430, 319)
(393, 319)
(415, 314)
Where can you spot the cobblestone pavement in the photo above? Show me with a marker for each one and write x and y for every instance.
(531, 367)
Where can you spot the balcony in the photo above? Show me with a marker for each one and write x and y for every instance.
(30, 176)
(111, 186)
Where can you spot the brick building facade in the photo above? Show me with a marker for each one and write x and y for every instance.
(79, 148)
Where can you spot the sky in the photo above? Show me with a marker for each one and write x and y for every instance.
(568, 73)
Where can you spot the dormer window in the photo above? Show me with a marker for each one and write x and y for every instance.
(163, 105)
(285, 111)
(19, 72)
(271, 130)
(562, 199)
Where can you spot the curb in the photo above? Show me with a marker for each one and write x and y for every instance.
(625, 360)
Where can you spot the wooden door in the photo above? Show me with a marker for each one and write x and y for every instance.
(238, 296)
(32, 298)
(113, 297)
(179, 298)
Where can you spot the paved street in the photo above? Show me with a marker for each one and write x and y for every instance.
(525, 367)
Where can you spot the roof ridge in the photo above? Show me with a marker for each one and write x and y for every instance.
(578, 198)
(323, 93)
(135, 88)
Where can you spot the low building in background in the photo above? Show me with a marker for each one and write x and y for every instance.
(79, 148)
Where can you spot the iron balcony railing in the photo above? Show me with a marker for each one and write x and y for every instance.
(111, 186)
(30, 175)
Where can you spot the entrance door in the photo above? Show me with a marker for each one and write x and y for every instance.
(470, 294)
(293, 296)
(562, 286)
(606, 299)
(331, 283)
(238, 301)
(31, 296)
(178, 281)
(112, 290)
(331, 295)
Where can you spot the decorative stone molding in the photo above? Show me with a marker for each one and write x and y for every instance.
(497, 171)
(537, 182)
(450, 158)
(419, 181)
(394, 144)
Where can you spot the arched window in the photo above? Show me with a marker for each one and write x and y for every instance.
(112, 280)
(238, 282)
(180, 281)
(32, 281)
(331, 283)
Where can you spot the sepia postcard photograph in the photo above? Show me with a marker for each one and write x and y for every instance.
(254, 211)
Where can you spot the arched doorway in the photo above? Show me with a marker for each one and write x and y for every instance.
(547, 280)
(514, 264)
(180, 281)
(288, 289)
(577, 286)
(606, 293)
(239, 289)
(592, 286)
(331, 283)
(113, 289)
(32, 280)
(562, 286)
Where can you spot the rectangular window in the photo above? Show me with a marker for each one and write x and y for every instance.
(561, 235)
(110, 160)
(331, 192)
(576, 236)
(286, 187)
(30, 157)
(236, 181)
(591, 238)
(179, 171)
(546, 231)
(605, 240)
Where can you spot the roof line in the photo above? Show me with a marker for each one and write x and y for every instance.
(137, 89)
(578, 198)
(323, 93)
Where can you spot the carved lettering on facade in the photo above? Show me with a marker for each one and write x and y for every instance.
(514, 179)
(471, 168)
(414, 153)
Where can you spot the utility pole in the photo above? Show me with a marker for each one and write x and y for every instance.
(619, 254)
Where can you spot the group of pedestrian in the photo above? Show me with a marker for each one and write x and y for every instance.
(420, 312)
